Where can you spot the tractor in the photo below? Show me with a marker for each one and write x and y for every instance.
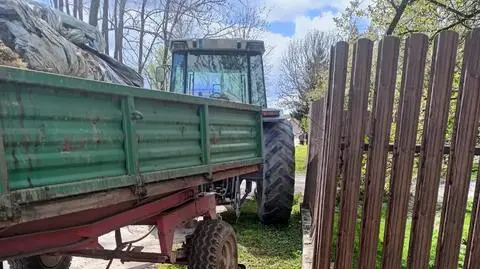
(232, 70)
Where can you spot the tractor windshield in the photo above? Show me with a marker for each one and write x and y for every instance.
(222, 76)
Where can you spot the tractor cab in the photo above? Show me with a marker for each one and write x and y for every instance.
(228, 69)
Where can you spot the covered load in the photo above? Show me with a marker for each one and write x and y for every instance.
(37, 37)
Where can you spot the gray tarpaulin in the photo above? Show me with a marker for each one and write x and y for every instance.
(46, 39)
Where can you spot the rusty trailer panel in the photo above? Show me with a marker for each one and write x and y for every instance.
(65, 136)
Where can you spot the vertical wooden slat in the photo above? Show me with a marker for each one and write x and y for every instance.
(432, 149)
(404, 150)
(317, 226)
(333, 150)
(472, 256)
(460, 161)
(313, 132)
(376, 164)
(318, 122)
(360, 85)
(322, 166)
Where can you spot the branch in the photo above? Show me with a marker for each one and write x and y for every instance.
(462, 21)
(392, 2)
(448, 8)
(398, 14)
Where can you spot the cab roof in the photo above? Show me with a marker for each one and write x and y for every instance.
(212, 45)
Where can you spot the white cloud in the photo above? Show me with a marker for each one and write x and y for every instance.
(287, 10)
(278, 44)
(304, 24)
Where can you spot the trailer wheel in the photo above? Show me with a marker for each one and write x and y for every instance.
(275, 192)
(41, 262)
(213, 246)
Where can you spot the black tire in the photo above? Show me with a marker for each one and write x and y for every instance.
(213, 246)
(275, 192)
(41, 262)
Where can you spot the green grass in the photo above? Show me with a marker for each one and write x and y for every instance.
(265, 247)
(301, 152)
(407, 237)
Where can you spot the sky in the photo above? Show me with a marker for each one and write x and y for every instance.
(288, 20)
(291, 19)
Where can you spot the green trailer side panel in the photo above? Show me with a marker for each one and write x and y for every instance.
(176, 143)
(232, 135)
(66, 136)
(53, 136)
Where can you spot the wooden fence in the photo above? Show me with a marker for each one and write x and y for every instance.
(353, 163)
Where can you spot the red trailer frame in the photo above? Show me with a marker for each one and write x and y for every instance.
(165, 213)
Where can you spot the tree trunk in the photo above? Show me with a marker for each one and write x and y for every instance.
(67, 6)
(115, 25)
(80, 9)
(166, 36)
(398, 14)
(142, 35)
(55, 3)
(119, 32)
(75, 8)
(93, 17)
(60, 5)
(105, 25)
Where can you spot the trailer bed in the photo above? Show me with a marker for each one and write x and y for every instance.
(65, 139)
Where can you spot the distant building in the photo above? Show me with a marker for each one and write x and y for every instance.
(298, 133)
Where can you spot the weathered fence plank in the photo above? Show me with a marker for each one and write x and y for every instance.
(472, 255)
(460, 161)
(411, 92)
(313, 146)
(376, 164)
(358, 99)
(335, 112)
(428, 179)
(317, 225)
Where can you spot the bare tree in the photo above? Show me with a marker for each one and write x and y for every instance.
(55, 3)
(93, 15)
(75, 8)
(105, 25)
(247, 20)
(80, 9)
(67, 6)
(303, 70)
(60, 5)
(118, 54)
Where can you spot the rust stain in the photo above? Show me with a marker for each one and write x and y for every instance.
(69, 146)
(15, 159)
(214, 140)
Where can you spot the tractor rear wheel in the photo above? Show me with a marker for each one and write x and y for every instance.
(213, 246)
(275, 192)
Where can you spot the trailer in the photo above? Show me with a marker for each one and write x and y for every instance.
(81, 158)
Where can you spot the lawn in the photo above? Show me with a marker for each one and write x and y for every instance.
(407, 237)
(301, 152)
(265, 247)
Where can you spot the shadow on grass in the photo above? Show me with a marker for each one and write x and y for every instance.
(263, 246)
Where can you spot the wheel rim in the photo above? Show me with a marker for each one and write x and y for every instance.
(228, 259)
(50, 261)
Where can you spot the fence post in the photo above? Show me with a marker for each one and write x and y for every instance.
(438, 100)
(404, 151)
(358, 100)
(335, 116)
(377, 153)
(460, 161)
